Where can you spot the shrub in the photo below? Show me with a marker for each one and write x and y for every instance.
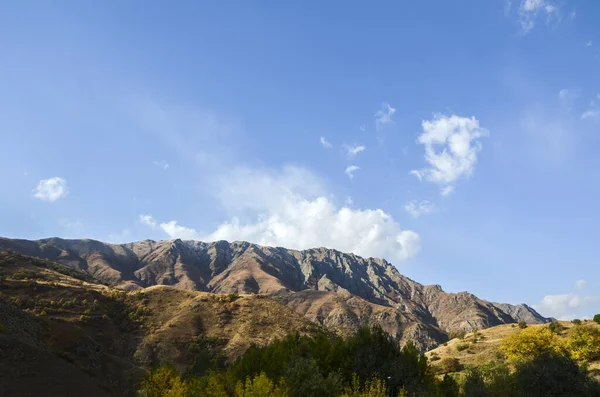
(450, 364)
(584, 343)
(597, 318)
(576, 321)
(555, 327)
(530, 343)
(522, 324)
(462, 346)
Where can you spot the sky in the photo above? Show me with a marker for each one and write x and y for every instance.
(459, 140)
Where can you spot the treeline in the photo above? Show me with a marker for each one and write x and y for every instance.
(367, 364)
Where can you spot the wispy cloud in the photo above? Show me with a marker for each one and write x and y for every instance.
(384, 115)
(148, 220)
(580, 284)
(353, 150)
(530, 11)
(51, 189)
(161, 164)
(564, 306)
(593, 111)
(350, 171)
(568, 96)
(418, 208)
(589, 43)
(451, 148)
(325, 143)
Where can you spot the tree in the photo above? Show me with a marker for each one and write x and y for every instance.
(474, 384)
(555, 327)
(161, 382)
(303, 378)
(597, 318)
(259, 386)
(576, 321)
(552, 375)
(522, 324)
(450, 364)
(584, 343)
(530, 343)
(449, 387)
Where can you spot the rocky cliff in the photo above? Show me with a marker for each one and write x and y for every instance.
(338, 290)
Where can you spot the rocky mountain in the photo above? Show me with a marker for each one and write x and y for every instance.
(338, 290)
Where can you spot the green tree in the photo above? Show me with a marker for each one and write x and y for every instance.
(522, 324)
(449, 387)
(474, 384)
(303, 378)
(259, 386)
(597, 318)
(161, 382)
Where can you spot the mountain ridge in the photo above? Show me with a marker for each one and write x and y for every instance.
(338, 290)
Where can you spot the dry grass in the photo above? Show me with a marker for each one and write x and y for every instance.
(488, 341)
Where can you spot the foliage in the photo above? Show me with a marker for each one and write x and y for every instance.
(597, 318)
(584, 343)
(460, 335)
(555, 327)
(259, 386)
(522, 324)
(576, 321)
(530, 343)
(450, 364)
(161, 382)
(462, 346)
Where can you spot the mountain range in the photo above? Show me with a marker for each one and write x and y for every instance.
(339, 291)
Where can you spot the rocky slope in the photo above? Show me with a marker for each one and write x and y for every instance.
(338, 290)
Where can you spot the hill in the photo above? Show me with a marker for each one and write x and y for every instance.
(476, 349)
(60, 324)
(337, 290)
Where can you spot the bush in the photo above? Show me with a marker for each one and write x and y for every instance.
(450, 364)
(555, 327)
(576, 321)
(460, 335)
(462, 346)
(530, 343)
(522, 324)
(584, 343)
(597, 318)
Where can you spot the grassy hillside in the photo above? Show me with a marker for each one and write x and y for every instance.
(482, 347)
(57, 323)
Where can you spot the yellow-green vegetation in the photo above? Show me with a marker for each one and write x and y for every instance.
(531, 342)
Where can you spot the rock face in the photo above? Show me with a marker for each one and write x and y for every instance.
(340, 291)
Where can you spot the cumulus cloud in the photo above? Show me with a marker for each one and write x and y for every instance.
(161, 164)
(148, 220)
(564, 306)
(352, 151)
(580, 284)
(418, 208)
(593, 111)
(51, 189)
(324, 143)
(350, 170)
(290, 208)
(451, 148)
(384, 115)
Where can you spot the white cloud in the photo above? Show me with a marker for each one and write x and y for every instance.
(417, 209)
(563, 306)
(148, 220)
(350, 170)
(161, 164)
(567, 97)
(451, 149)
(290, 208)
(580, 284)
(531, 10)
(176, 231)
(593, 111)
(349, 201)
(51, 189)
(352, 151)
(383, 116)
(447, 190)
(324, 142)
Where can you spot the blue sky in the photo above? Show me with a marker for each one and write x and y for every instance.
(459, 140)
